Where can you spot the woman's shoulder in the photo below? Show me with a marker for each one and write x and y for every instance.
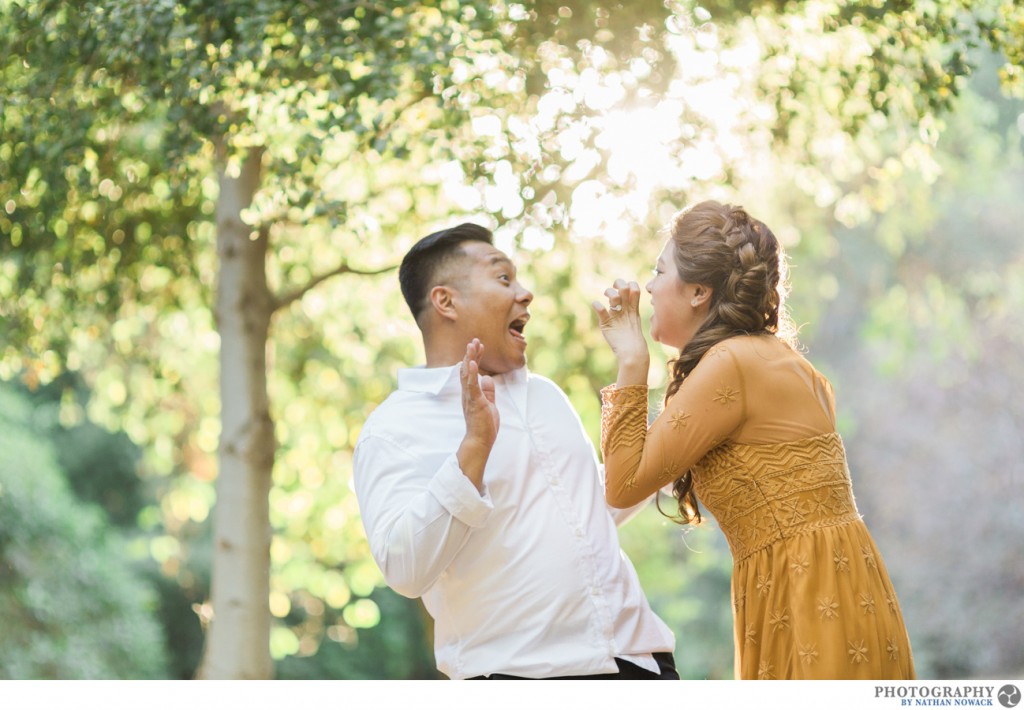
(747, 352)
(769, 355)
(764, 345)
(727, 354)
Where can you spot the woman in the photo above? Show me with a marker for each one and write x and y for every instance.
(748, 428)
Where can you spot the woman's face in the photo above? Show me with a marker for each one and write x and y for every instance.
(679, 307)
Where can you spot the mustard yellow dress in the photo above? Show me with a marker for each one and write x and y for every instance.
(756, 424)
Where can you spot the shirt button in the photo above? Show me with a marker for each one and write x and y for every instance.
(579, 533)
(595, 591)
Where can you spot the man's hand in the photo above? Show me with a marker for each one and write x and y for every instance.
(481, 415)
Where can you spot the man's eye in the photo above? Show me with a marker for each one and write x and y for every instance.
(504, 277)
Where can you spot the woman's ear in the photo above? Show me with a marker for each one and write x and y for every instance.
(700, 296)
(442, 300)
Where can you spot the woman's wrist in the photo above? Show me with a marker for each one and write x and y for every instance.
(633, 371)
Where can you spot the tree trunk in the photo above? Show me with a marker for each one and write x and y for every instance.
(238, 637)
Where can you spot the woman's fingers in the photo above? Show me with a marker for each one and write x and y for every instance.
(603, 316)
(623, 296)
(628, 292)
(633, 289)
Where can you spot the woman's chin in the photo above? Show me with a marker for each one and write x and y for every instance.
(668, 343)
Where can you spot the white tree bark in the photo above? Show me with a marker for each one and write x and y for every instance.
(238, 637)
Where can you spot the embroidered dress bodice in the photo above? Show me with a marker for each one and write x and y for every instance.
(761, 494)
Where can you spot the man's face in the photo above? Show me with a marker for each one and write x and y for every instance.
(492, 306)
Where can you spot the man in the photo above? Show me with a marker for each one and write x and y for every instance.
(480, 491)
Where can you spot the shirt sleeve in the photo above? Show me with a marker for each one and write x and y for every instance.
(706, 410)
(416, 519)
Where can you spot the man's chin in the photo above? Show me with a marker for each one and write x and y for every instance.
(500, 368)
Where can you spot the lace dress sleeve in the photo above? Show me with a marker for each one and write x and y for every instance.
(706, 410)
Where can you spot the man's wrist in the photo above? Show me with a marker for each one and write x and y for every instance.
(472, 456)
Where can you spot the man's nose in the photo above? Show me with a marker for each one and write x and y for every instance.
(525, 295)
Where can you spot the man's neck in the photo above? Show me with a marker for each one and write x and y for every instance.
(435, 359)
(445, 346)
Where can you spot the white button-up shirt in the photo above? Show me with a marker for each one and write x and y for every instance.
(526, 578)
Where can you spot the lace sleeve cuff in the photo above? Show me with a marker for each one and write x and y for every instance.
(629, 396)
(623, 417)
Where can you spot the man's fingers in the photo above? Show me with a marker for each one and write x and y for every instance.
(487, 387)
(473, 379)
(476, 351)
(471, 368)
(464, 368)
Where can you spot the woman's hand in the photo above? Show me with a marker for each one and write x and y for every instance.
(622, 329)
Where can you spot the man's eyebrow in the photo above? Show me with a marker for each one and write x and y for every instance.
(499, 259)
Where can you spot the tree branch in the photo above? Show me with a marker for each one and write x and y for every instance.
(376, 7)
(286, 299)
(365, 4)
(385, 126)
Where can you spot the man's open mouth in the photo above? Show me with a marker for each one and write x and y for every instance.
(517, 326)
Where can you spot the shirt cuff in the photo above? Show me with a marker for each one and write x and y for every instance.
(459, 496)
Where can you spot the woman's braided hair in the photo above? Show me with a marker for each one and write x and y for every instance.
(723, 247)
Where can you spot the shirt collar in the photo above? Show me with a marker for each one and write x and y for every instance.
(429, 380)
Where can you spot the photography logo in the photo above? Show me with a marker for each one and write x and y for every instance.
(929, 695)
(1009, 696)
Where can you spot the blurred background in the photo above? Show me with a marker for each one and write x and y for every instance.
(881, 141)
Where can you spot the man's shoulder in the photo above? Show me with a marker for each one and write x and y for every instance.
(386, 415)
(542, 383)
(549, 395)
(406, 417)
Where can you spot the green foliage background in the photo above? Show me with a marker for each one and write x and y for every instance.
(881, 141)
(75, 603)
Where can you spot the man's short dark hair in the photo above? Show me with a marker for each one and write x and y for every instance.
(425, 260)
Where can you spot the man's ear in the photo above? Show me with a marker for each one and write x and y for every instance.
(442, 300)
(701, 295)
